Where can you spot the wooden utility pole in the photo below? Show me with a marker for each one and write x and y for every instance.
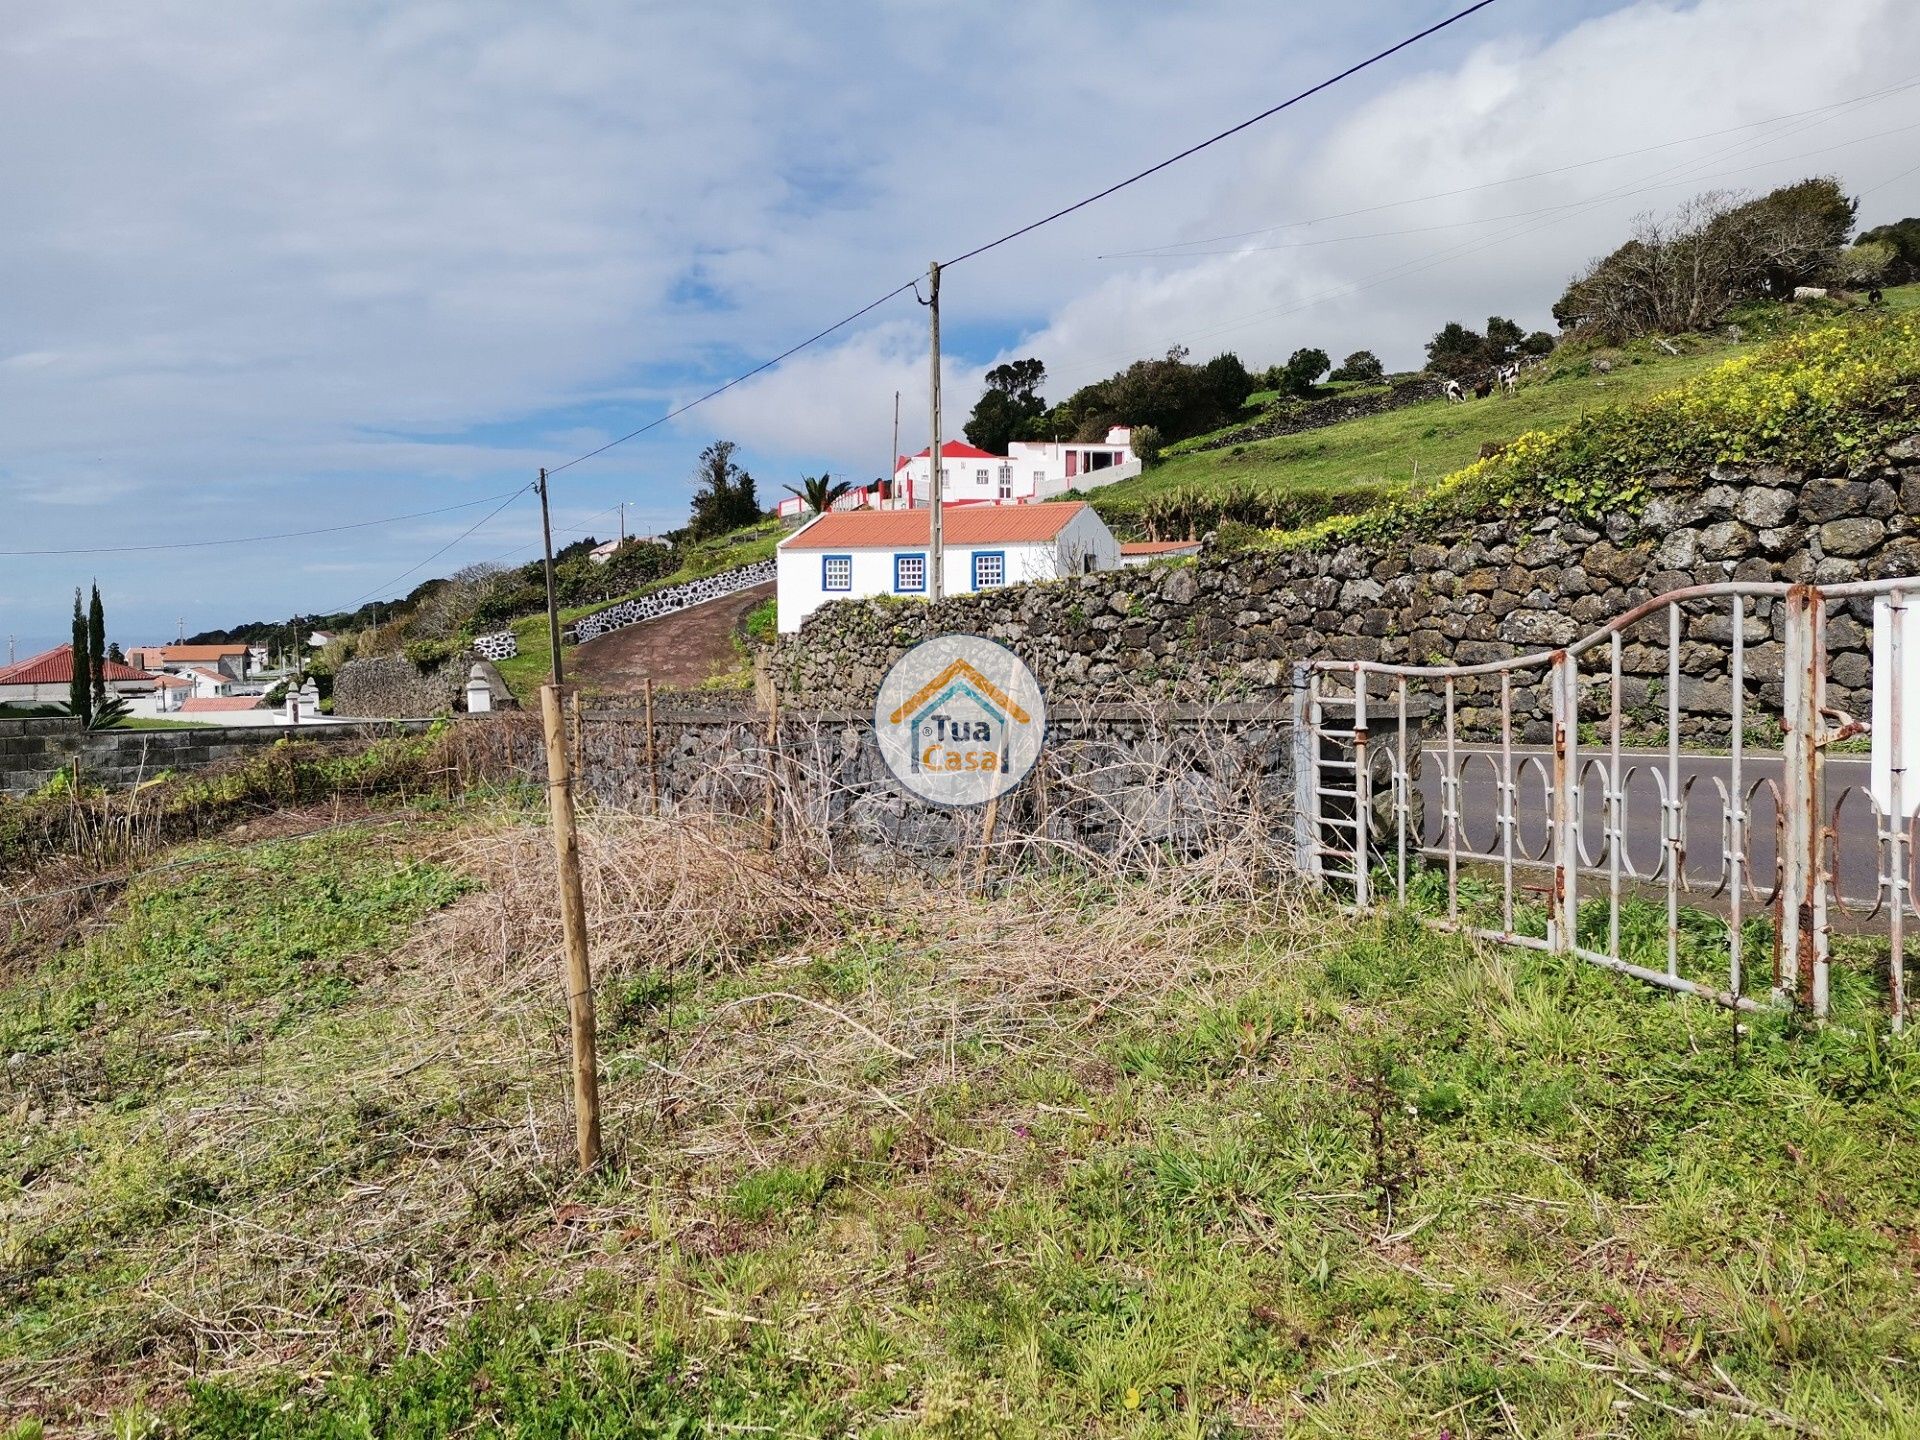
(893, 458)
(553, 603)
(936, 549)
(573, 927)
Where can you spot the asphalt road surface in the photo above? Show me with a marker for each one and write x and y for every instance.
(1705, 782)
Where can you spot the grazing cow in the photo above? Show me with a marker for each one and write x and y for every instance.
(1874, 297)
(1510, 379)
(1454, 393)
(1483, 388)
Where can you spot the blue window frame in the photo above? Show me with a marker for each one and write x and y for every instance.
(836, 572)
(989, 569)
(910, 573)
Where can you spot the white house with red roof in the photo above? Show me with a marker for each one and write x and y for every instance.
(1030, 471)
(857, 554)
(47, 679)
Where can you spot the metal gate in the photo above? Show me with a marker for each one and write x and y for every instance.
(1672, 796)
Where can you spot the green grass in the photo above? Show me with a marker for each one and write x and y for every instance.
(1076, 1161)
(1432, 440)
(532, 666)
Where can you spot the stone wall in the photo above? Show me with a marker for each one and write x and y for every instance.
(32, 752)
(674, 597)
(1112, 778)
(1318, 414)
(1230, 626)
(386, 686)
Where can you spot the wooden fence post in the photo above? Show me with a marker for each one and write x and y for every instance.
(770, 822)
(653, 758)
(573, 924)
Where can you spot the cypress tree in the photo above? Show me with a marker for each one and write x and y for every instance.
(97, 649)
(79, 691)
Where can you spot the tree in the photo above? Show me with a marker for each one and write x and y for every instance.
(1503, 339)
(1538, 343)
(115, 654)
(1457, 352)
(1904, 237)
(1147, 445)
(79, 688)
(819, 492)
(1010, 407)
(1303, 370)
(725, 498)
(1686, 271)
(1361, 367)
(97, 649)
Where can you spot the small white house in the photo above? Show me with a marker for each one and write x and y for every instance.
(856, 554)
(1030, 470)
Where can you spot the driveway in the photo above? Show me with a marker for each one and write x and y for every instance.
(681, 649)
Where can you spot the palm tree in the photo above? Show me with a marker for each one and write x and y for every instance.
(820, 493)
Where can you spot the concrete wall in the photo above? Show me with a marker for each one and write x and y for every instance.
(32, 752)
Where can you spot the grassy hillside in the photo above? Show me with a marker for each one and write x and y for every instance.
(289, 1157)
(1436, 439)
(526, 672)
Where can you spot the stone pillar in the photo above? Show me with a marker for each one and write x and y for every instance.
(479, 693)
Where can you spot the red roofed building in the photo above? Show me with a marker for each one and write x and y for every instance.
(47, 679)
(848, 555)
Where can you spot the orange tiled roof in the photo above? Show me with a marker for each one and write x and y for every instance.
(55, 667)
(960, 525)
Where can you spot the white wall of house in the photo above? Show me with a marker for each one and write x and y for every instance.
(1084, 544)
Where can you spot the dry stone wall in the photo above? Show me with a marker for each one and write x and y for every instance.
(388, 686)
(33, 752)
(1230, 626)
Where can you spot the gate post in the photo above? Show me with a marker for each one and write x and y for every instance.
(1362, 796)
(1562, 929)
(1800, 915)
(1305, 764)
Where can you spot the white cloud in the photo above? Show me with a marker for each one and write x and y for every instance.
(318, 261)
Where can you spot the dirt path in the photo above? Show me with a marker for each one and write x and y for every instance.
(680, 649)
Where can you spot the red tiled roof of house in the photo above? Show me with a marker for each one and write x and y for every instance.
(173, 682)
(210, 674)
(951, 450)
(960, 525)
(55, 667)
(187, 654)
(213, 703)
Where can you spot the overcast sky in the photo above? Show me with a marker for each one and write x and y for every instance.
(279, 264)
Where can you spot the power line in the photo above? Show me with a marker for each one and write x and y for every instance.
(1614, 194)
(1155, 169)
(1176, 245)
(258, 539)
(814, 339)
(1267, 114)
(381, 589)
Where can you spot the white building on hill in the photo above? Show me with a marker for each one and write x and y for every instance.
(851, 555)
(1030, 471)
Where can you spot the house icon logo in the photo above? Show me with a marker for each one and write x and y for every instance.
(959, 720)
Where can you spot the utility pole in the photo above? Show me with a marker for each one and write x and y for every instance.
(893, 455)
(553, 604)
(936, 549)
(623, 524)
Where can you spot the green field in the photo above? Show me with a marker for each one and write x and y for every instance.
(290, 1156)
(1429, 441)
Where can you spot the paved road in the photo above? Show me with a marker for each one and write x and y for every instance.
(680, 649)
(1704, 781)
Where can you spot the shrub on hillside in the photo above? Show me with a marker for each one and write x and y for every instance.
(1362, 367)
